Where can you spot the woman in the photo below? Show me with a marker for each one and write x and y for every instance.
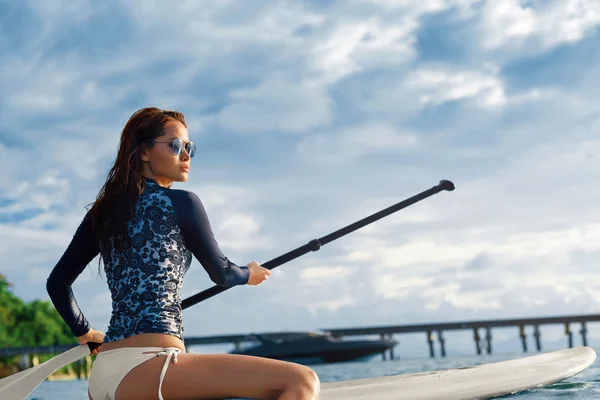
(146, 234)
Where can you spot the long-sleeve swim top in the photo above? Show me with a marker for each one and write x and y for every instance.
(167, 228)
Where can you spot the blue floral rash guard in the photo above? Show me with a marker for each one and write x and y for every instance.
(168, 227)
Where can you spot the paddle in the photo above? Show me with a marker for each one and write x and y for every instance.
(316, 244)
(20, 385)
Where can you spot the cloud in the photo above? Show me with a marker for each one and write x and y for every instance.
(241, 232)
(317, 274)
(352, 143)
(277, 106)
(515, 23)
(478, 263)
(437, 87)
(357, 45)
(237, 229)
(481, 284)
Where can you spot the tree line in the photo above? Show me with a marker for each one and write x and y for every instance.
(36, 323)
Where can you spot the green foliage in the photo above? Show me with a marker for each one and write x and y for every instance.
(30, 324)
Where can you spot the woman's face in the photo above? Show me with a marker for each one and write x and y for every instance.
(161, 163)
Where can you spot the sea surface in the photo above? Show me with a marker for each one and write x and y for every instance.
(585, 385)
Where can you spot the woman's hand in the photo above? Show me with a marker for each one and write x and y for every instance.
(258, 274)
(93, 336)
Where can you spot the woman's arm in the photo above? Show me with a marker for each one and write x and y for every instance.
(199, 238)
(77, 256)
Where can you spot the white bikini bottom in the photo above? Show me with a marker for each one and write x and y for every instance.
(111, 366)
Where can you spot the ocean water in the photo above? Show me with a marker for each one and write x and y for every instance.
(585, 385)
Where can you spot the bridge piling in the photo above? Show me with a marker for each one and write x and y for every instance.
(488, 339)
(387, 336)
(430, 341)
(442, 343)
(537, 334)
(569, 335)
(523, 337)
(583, 333)
(477, 340)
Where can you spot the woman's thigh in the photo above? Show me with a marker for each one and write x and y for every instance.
(210, 376)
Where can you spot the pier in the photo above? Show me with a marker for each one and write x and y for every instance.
(481, 330)
(482, 342)
(481, 333)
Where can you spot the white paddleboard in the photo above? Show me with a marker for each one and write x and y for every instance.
(478, 382)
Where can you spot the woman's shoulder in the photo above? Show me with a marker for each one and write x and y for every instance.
(188, 208)
(184, 198)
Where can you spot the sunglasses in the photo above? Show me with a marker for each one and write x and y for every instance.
(177, 146)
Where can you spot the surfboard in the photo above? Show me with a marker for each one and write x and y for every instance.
(476, 382)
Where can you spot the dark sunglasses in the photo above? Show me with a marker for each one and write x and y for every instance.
(177, 145)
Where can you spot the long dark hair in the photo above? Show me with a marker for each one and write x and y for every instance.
(115, 203)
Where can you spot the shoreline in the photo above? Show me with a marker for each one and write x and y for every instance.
(6, 372)
(64, 377)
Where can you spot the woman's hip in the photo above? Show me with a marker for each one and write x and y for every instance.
(111, 366)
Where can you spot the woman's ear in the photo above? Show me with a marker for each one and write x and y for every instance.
(144, 154)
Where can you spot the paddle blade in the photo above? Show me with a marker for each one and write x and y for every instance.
(4, 382)
(19, 386)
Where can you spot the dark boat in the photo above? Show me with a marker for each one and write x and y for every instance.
(315, 348)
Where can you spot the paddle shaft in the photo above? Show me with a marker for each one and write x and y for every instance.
(316, 244)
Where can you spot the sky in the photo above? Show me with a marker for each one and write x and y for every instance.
(308, 116)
